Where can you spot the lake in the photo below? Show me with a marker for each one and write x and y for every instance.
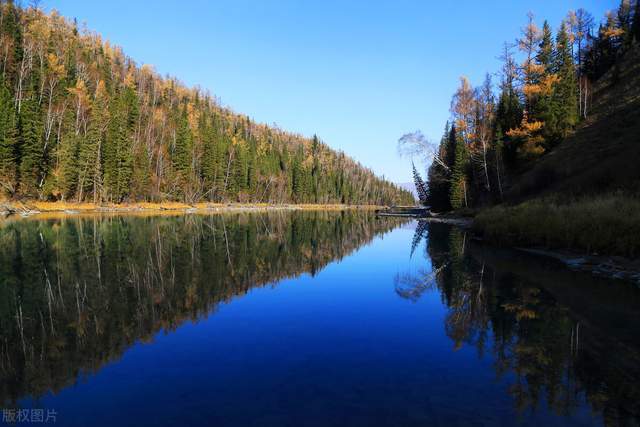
(303, 319)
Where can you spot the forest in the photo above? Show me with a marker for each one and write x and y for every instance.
(546, 87)
(81, 121)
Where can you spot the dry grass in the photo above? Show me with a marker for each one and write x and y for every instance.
(605, 224)
(42, 207)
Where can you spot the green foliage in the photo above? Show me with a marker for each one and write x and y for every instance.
(565, 93)
(459, 176)
(8, 141)
(90, 149)
(117, 150)
(30, 149)
(94, 127)
(540, 104)
(439, 175)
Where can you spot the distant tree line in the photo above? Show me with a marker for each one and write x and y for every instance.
(80, 121)
(540, 101)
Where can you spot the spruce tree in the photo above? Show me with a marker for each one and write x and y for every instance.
(459, 185)
(68, 164)
(209, 160)
(117, 151)
(421, 187)
(182, 151)
(31, 148)
(90, 148)
(439, 176)
(8, 142)
(565, 91)
(544, 77)
(635, 27)
(297, 176)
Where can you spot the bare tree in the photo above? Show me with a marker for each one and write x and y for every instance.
(416, 144)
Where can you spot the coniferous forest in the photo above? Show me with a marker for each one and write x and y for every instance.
(80, 121)
(545, 91)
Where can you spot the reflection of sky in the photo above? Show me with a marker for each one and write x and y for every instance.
(335, 349)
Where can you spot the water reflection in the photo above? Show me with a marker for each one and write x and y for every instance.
(560, 338)
(75, 293)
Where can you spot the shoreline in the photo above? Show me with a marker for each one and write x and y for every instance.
(38, 208)
(600, 265)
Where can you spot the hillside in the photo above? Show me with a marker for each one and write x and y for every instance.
(602, 154)
(81, 121)
(584, 194)
(551, 159)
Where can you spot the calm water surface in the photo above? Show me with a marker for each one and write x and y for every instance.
(304, 319)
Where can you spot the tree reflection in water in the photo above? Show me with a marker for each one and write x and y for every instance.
(76, 292)
(555, 335)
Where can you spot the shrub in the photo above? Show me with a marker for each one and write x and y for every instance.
(608, 224)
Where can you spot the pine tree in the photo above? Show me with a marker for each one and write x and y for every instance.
(182, 152)
(79, 139)
(30, 148)
(439, 175)
(459, 180)
(209, 160)
(421, 187)
(635, 27)
(625, 22)
(12, 29)
(90, 148)
(544, 56)
(117, 151)
(545, 78)
(8, 142)
(68, 165)
(297, 176)
(565, 91)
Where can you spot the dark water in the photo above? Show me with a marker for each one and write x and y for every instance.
(304, 319)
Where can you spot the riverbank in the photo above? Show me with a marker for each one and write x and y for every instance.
(29, 208)
(599, 224)
(598, 233)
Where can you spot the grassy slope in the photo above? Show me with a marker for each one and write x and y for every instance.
(585, 194)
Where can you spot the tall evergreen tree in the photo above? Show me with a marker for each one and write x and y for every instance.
(182, 152)
(459, 176)
(545, 77)
(31, 153)
(8, 142)
(635, 27)
(421, 187)
(90, 149)
(565, 91)
(117, 150)
(439, 174)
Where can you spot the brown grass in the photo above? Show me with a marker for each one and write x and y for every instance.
(605, 224)
(40, 207)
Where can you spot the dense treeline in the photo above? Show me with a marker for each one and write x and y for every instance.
(490, 138)
(80, 121)
(75, 293)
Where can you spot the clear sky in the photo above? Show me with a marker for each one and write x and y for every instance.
(358, 73)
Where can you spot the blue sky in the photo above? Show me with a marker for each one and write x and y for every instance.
(357, 73)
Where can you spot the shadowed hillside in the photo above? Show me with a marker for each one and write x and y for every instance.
(602, 155)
